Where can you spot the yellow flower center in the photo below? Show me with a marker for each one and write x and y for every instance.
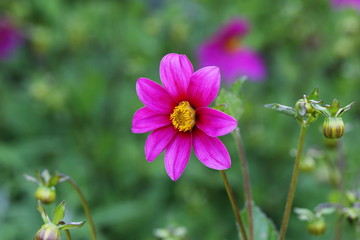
(183, 117)
(233, 44)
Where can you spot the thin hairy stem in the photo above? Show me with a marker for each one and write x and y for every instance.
(68, 236)
(233, 205)
(246, 178)
(290, 198)
(341, 166)
(85, 206)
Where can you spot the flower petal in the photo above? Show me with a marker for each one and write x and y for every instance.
(146, 120)
(214, 123)
(250, 64)
(210, 151)
(157, 141)
(236, 27)
(204, 86)
(154, 96)
(346, 3)
(177, 155)
(175, 73)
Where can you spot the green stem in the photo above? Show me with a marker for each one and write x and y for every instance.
(68, 236)
(292, 189)
(233, 205)
(338, 227)
(341, 188)
(85, 206)
(357, 231)
(247, 184)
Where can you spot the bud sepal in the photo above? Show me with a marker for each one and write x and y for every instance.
(52, 229)
(46, 191)
(333, 126)
(316, 224)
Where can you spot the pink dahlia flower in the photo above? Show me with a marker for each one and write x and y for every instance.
(225, 50)
(346, 3)
(9, 38)
(177, 113)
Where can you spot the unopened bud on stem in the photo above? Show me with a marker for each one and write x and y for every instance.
(333, 127)
(45, 194)
(48, 231)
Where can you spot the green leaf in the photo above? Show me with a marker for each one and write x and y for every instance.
(57, 178)
(264, 228)
(236, 86)
(282, 109)
(72, 225)
(31, 178)
(325, 209)
(314, 95)
(334, 107)
(344, 109)
(54, 180)
(221, 107)
(45, 175)
(304, 214)
(59, 213)
(44, 216)
(324, 111)
(234, 102)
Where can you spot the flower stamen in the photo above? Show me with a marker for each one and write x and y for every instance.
(183, 117)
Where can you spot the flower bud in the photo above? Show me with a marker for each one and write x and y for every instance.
(316, 227)
(307, 164)
(48, 231)
(351, 197)
(45, 194)
(303, 107)
(333, 127)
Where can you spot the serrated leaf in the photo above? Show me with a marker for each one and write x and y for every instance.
(72, 225)
(264, 228)
(234, 103)
(289, 111)
(236, 86)
(59, 213)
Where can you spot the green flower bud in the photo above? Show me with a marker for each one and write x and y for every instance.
(307, 164)
(303, 107)
(317, 226)
(333, 127)
(45, 194)
(48, 231)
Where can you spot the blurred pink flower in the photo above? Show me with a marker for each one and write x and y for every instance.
(346, 3)
(9, 38)
(177, 113)
(226, 51)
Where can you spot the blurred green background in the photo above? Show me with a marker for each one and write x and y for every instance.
(67, 98)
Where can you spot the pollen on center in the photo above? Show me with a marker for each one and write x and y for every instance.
(183, 117)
